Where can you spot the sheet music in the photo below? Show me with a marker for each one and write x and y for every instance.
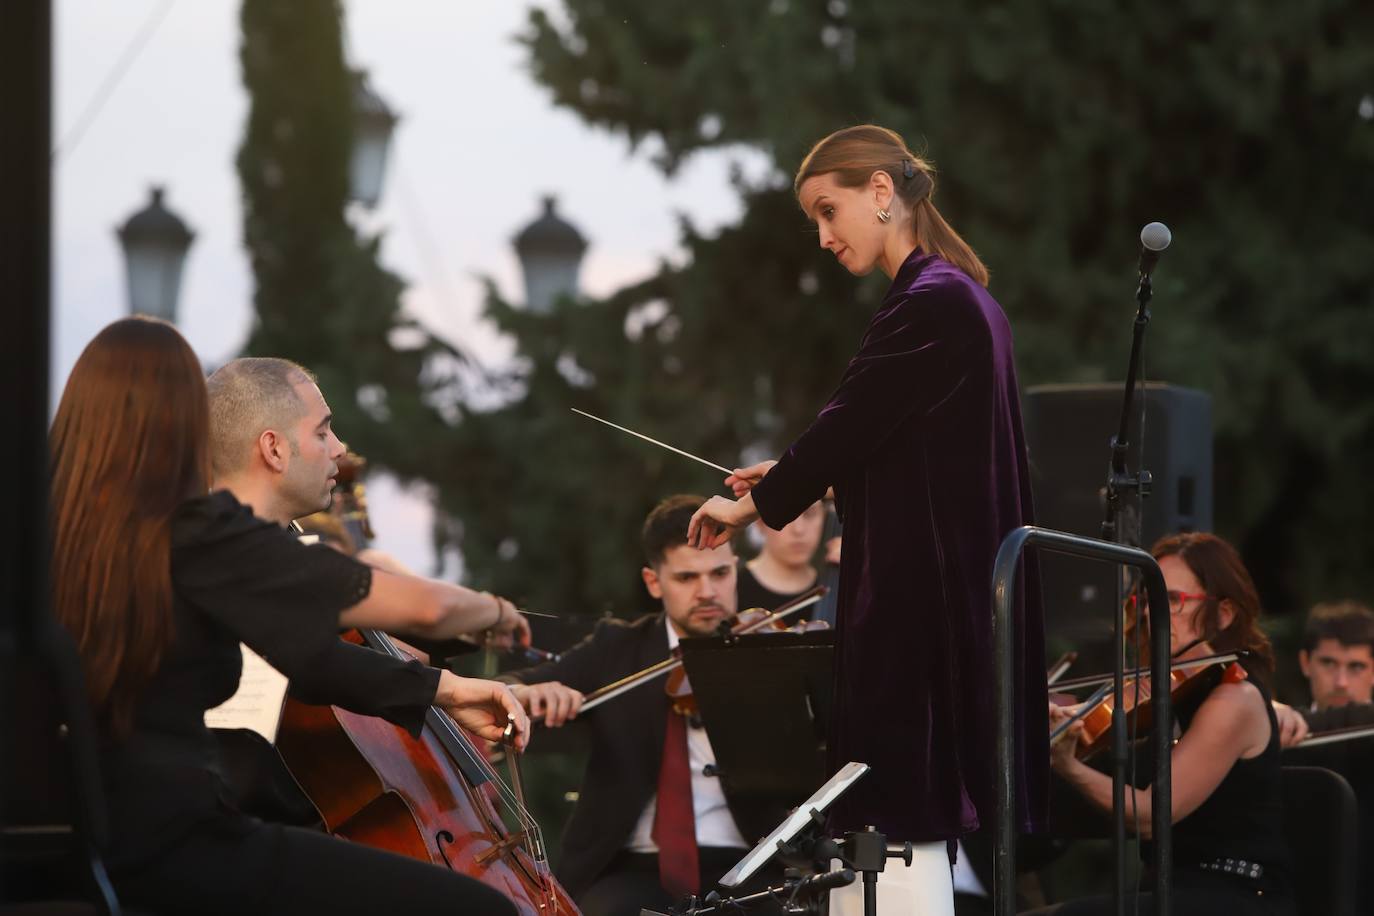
(257, 704)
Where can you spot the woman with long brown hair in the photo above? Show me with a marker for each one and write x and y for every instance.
(923, 445)
(1229, 854)
(158, 581)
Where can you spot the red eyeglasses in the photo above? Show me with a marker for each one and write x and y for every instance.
(1176, 600)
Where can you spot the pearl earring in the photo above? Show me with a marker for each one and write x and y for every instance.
(883, 215)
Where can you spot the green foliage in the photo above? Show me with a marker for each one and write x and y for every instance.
(322, 298)
(551, 503)
(1061, 129)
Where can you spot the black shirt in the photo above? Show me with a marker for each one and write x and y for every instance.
(237, 579)
(752, 593)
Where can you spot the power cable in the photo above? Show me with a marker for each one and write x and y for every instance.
(111, 82)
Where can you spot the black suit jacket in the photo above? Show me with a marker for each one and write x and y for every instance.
(626, 741)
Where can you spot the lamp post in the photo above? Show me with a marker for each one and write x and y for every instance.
(550, 251)
(373, 123)
(155, 242)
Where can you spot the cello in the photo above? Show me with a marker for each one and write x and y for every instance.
(435, 798)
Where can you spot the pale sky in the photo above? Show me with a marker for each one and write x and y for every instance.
(477, 146)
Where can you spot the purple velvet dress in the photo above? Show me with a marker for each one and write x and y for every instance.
(922, 442)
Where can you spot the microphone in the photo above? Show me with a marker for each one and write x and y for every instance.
(1154, 238)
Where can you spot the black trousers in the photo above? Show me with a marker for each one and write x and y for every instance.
(241, 865)
(631, 882)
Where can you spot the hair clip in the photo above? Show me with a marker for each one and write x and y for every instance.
(908, 169)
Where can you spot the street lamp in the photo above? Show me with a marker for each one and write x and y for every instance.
(373, 123)
(155, 242)
(550, 251)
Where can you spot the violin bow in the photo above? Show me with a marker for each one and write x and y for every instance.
(513, 760)
(1105, 687)
(1092, 680)
(1060, 668)
(616, 688)
(1335, 736)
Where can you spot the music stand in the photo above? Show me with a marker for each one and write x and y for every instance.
(805, 816)
(765, 703)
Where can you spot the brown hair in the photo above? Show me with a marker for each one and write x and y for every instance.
(853, 154)
(666, 526)
(1223, 576)
(247, 396)
(1348, 622)
(128, 445)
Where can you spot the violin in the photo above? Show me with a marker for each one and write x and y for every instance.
(436, 798)
(1188, 679)
(747, 622)
(753, 620)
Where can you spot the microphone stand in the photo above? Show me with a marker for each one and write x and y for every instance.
(1119, 481)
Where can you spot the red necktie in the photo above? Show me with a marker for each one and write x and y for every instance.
(675, 823)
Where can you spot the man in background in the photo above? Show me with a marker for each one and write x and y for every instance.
(1337, 655)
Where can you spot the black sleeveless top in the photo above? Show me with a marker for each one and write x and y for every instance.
(1243, 817)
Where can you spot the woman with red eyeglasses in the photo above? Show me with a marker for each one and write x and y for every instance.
(1228, 844)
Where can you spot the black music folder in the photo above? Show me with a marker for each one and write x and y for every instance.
(765, 703)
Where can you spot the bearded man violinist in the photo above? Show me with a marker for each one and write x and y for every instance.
(652, 822)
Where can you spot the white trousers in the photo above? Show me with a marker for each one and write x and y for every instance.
(923, 888)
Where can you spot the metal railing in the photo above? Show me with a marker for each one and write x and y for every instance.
(1004, 635)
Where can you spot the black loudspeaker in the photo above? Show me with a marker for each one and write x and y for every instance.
(1068, 437)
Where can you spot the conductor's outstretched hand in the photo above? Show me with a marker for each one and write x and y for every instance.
(743, 479)
(718, 520)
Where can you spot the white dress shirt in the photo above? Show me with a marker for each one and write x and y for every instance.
(715, 825)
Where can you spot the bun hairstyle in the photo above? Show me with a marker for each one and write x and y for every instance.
(853, 154)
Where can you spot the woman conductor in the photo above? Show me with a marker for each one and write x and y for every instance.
(922, 443)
